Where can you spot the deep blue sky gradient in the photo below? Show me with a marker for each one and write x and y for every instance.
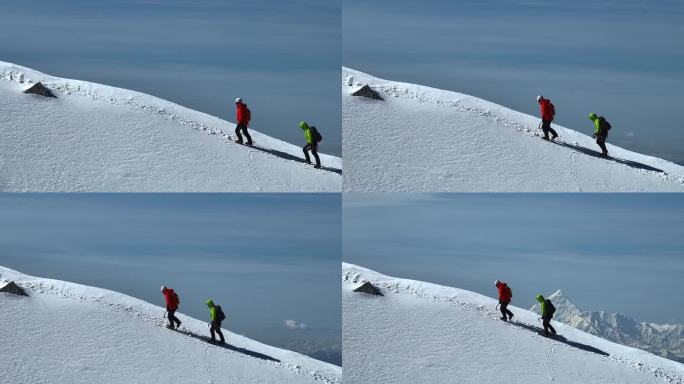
(623, 59)
(265, 258)
(612, 252)
(282, 57)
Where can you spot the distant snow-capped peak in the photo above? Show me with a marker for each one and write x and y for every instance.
(662, 339)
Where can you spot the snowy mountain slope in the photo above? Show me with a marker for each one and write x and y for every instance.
(94, 137)
(429, 140)
(425, 333)
(665, 340)
(70, 333)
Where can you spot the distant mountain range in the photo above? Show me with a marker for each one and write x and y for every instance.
(661, 339)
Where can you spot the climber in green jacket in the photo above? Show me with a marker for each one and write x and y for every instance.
(546, 309)
(601, 127)
(312, 138)
(217, 316)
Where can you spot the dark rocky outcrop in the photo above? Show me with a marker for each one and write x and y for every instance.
(369, 288)
(368, 92)
(40, 89)
(14, 289)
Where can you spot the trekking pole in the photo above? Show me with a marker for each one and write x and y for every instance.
(497, 307)
(165, 314)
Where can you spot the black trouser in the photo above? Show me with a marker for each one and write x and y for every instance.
(546, 128)
(314, 150)
(504, 310)
(546, 321)
(601, 141)
(173, 320)
(242, 128)
(216, 327)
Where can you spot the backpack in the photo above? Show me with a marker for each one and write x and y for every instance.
(174, 298)
(552, 108)
(509, 292)
(220, 316)
(550, 309)
(248, 114)
(604, 124)
(316, 135)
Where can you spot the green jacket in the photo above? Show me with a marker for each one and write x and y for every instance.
(307, 132)
(597, 124)
(212, 309)
(542, 305)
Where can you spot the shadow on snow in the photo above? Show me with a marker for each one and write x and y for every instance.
(561, 339)
(587, 151)
(228, 346)
(287, 156)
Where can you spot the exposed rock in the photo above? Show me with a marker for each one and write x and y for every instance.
(368, 92)
(369, 288)
(39, 89)
(13, 288)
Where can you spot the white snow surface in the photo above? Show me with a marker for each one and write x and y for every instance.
(94, 137)
(70, 333)
(662, 339)
(423, 139)
(425, 333)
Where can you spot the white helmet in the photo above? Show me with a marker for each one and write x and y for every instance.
(496, 282)
(238, 100)
(163, 288)
(540, 97)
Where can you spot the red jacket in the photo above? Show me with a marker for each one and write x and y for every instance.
(547, 109)
(504, 295)
(243, 115)
(171, 305)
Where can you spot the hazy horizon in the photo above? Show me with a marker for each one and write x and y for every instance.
(255, 254)
(611, 252)
(282, 58)
(620, 59)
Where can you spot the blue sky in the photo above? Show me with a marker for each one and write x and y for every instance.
(282, 58)
(623, 59)
(265, 258)
(612, 252)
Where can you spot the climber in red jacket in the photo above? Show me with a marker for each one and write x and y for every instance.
(548, 111)
(505, 296)
(243, 118)
(172, 302)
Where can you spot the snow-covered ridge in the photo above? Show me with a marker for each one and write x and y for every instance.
(426, 139)
(22, 75)
(425, 332)
(102, 138)
(76, 328)
(664, 340)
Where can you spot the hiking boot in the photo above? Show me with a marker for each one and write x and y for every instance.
(503, 318)
(554, 138)
(238, 141)
(545, 138)
(169, 326)
(510, 317)
(249, 144)
(317, 166)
